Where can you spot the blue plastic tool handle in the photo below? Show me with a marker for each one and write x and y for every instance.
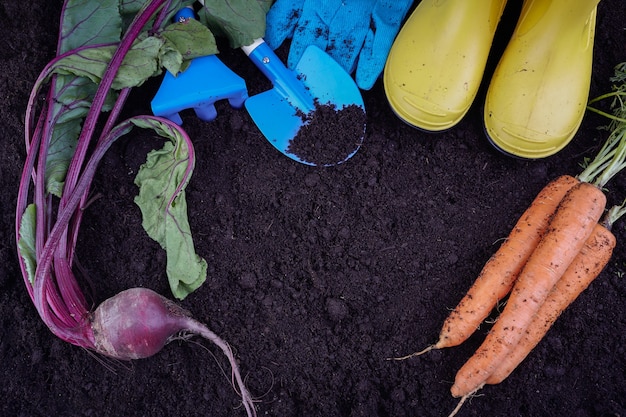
(184, 14)
(284, 80)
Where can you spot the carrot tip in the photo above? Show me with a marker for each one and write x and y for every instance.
(421, 352)
(463, 399)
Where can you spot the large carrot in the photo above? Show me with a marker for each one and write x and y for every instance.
(568, 230)
(540, 275)
(585, 268)
(499, 273)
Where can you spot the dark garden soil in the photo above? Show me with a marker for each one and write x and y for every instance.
(316, 275)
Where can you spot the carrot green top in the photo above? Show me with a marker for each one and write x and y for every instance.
(612, 157)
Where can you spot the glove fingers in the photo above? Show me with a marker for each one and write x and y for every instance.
(312, 28)
(347, 31)
(281, 21)
(345, 49)
(390, 14)
(372, 60)
(303, 37)
(387, 18)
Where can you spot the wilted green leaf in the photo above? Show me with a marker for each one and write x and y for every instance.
(162, 181)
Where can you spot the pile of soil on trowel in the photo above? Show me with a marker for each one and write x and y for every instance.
(329, 136)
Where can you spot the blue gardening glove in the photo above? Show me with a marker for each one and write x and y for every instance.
(356, 33)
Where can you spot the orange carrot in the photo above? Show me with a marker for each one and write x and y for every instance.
(569, 228)
(587, 265)
(573, 222)
(499, 273)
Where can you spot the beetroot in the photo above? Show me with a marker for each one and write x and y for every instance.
(135, 323)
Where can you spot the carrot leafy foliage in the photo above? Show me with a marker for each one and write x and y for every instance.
(611, 159)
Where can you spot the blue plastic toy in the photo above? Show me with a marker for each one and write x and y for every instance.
(204, 82)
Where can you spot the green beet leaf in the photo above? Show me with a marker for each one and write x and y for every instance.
(240, 21)
(162, 181)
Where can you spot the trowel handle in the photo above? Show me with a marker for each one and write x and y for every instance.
(274, 69)
(266, 60)
(184, 14)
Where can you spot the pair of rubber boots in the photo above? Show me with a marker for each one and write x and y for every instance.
(539, 90)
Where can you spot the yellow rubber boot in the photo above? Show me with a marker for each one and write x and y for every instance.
(539, 91)
(436, 63)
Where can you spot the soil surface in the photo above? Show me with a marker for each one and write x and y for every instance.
(316, 275)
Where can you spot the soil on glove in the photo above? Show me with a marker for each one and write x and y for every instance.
(316, 275)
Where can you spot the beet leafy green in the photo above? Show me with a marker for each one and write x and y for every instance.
(164, 208)
(106, 48)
